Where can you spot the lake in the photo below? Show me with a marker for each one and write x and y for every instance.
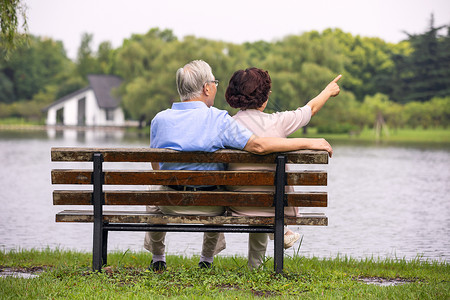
(386, 201)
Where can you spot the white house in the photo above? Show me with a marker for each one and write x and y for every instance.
(94, 105)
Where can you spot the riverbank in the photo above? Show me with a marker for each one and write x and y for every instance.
(402, 135)
(436, 136)
(66, 274)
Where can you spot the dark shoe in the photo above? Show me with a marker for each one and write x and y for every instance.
(157, 266)
(205, 265)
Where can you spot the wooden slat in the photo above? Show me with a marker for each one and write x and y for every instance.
(72, 197)
(222, 198)
(164, 177)
(166, 155)
(139, 217)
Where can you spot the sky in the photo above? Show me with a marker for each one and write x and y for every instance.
(235, 21)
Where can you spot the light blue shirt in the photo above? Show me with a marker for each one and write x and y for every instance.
(193, 126)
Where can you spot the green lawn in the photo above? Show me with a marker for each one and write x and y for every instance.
(66, 274)
(405, 135)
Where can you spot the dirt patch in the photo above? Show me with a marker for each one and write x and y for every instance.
(380, 281)
(21, 272)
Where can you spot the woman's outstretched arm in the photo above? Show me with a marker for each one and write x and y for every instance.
(331, 90)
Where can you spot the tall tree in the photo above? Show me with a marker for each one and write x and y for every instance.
(86, 61)
(30, 68)
(368, 64)
(105, 58)
(426, 72)
(10, 13)
(300, 67)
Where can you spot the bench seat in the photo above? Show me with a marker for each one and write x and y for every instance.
(318, 219)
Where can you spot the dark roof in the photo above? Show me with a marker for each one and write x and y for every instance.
(103, 86)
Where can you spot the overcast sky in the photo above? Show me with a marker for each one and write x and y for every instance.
(234, 21)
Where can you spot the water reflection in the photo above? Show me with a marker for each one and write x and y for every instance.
(384, 201)
(87, 136)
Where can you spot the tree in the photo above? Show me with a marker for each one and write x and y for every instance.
(145, 62)
(368, 65)
(86, 61)
(343, 114)
(300, 67)
(426, 72)
(105, 58)
(257, 51)
(10, 11)
(148, 64)
(30, 68)
(6, 89)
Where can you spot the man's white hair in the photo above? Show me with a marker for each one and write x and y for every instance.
(191, 78)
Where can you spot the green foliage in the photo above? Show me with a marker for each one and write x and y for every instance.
(257, 52)
(368, 65)
(39, 73)
(6, 89)
(148, 64)
(105, 58)
(425, 73)
(86, 62)
(90, 62)
(434, 113)
(300, 67)
(346, 115)
(10, 13)
(30, 68)
(69, 85)
(31, 76)
(340, 115)
(377, 76)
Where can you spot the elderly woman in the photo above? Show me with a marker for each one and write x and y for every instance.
(249, 91)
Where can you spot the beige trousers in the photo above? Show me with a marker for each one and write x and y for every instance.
(213, 242)
(257, 245)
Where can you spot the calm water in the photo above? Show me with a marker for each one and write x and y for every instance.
(384, 201)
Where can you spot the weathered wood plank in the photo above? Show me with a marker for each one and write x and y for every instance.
(166, 155)
(139, 217)
(220, 198)
(72, 197)
(164, 177)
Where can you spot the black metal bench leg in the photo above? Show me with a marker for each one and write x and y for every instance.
(105, 247)
(97, 249)
(279, 214)
(278, 248)
(100, 235)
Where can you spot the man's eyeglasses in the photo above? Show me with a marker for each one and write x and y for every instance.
(216, 82)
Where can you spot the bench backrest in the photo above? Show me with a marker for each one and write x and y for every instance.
(127, 177)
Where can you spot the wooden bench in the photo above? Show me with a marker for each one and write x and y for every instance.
(96, 177)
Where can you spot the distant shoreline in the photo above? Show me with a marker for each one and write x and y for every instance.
(433, 136)
(402, 135)
(61, 127)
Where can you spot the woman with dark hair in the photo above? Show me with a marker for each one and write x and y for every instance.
(249, 91)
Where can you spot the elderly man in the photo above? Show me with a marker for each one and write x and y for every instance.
(194, 125)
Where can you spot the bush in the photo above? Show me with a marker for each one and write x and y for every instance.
(337, 128)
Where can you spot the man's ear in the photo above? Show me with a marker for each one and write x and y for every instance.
(206, 89)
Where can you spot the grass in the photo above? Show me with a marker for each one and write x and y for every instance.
(19, 121)
(66, 274)
(402, 135)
